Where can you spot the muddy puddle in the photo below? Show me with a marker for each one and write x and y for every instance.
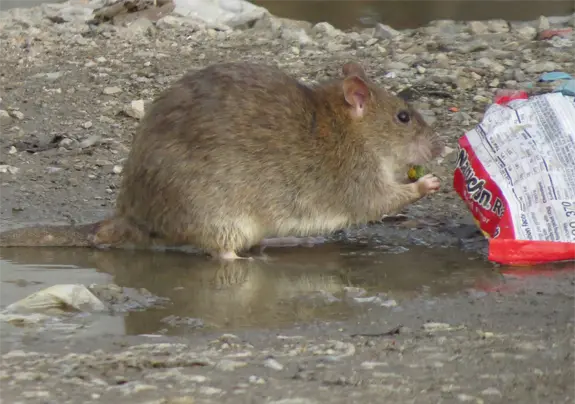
(175, 293)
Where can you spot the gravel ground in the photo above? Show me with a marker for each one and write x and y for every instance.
(72, 94)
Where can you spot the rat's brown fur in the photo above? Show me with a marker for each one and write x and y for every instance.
(237, 152)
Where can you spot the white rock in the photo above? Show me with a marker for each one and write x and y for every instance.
(87, 125)
(373, 365)
(383, 31)
(498, 26)
(253, 379)
(231, 13)
(170, 21)
(78, 12)
(542, 67)
(136, 109)
(273, 364)
(112, 90)
(295, 35)
(4, 168)
(90, 141)
(527, 32)
(246, 19)
(17, 115)
(230, 365)
(490, 64)
(432, 326)
(491, 391)
(543, 23)
(210, 391)
(477, 27)
(139, 27)
(5, 116)
(325, 29)
(197, 378)
(397, 66)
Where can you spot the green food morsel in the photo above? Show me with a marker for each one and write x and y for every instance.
(416, 172)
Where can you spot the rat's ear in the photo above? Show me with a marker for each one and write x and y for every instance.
(356, 94)
(353, 69)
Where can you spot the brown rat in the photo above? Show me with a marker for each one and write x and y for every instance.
(238, 152)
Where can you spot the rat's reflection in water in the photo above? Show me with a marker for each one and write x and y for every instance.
(290, 285)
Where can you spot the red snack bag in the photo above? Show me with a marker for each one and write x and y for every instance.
(516, 173)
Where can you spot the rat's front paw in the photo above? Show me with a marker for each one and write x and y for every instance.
(428, 184)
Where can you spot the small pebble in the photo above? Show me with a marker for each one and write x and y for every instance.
(210, 391)
(17, 115)
(136, 109)
(112, 90)
(256, 380)
(230, 365)
(491, 391)
(436, 327)
(5, 116)
(273, 364)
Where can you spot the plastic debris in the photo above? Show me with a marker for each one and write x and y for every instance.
(554, 76)
(502, 97)
(550, 33)
(566, 85)
(566, 88)
(515, 171)
(58, 299)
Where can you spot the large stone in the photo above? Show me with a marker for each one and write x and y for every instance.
(477, 27)
(527, 32)
(325, 29)
(233, 13)
(67, 13)
(543, 23)
(383, 31)
(498, 26)
(139, 27)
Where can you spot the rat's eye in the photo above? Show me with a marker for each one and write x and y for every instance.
(403, 116)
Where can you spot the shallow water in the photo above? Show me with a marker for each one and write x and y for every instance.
(397, 13)
(402, 14)
(290, 286)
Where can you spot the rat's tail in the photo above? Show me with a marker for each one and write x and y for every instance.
(110, 232)
(50, 236)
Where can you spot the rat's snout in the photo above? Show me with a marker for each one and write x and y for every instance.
(425, 148)
(437, 145)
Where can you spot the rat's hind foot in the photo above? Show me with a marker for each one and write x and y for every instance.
(230, 256)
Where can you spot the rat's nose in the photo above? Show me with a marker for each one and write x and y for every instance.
(438, 146)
